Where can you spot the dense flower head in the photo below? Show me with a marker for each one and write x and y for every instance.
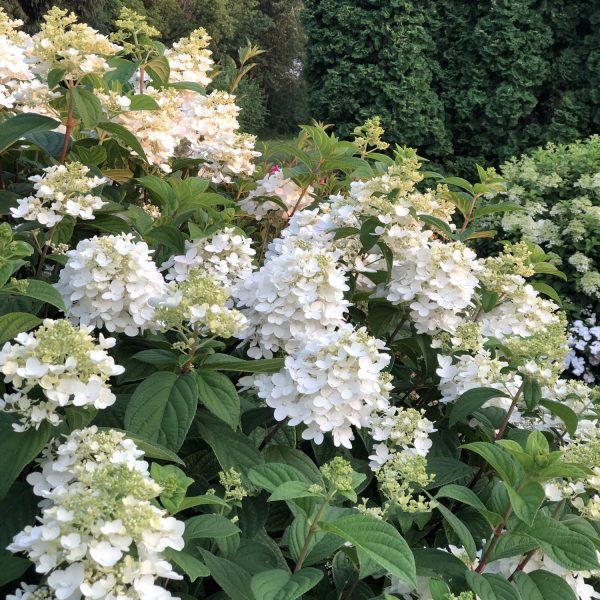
(62, 190)
(276, 184)
(56, 366)
(32, 592)
(107, 282)
(225, 255)
(99, 534)
(200, 303)
(15, 68)
(295, 295)
(75, 47)
(190, 59)
(583, 359)
(333, 383)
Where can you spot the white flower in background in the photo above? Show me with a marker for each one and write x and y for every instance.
(33, 592)
(99, 534)
(225, 255)
(14, 69)
(199, 303)
(438, 280)
(58, 365)
(62, 190)
(296, 295)
(333, 383)
(190, 59)
(275, 184)
(108, 281)
(583, 359)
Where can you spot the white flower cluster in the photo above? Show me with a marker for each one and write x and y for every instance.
(226, 256)
(58, 365)
(403, 430)
(296, 295)
(275, 184)
(335, 382)
(190, 59)
(583, 359)
(99, 535)
(108, 282)
(62, 190)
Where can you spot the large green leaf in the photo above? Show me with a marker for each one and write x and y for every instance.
(467, 496)
(472, 400)
(527, 501)
(379, 541)
(16, 322)
(500, 460)
(36, 289)
(235, 581)
(87, 106)
(125, 136)
(543, 585)
(18, 449)
(11, 567)
(278, 584)
(209, 526)
(464, 535)
(225, 362)
(162, 408)
(16, 127)
(220, 396)
(190, 565)
(272, 475)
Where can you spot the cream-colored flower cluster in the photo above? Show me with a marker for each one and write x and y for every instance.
(56, 366)
(62, 190)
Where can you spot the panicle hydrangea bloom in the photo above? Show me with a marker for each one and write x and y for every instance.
(108, 281)
(275, 184)
(199, 302)
(32, 592)
(297, 294)
(56, 366)
(583, 359)
(399, 429)
(99, 534)
(333, 383)
(75, 47)
(62, 190)
(190, 59)
(226, 256)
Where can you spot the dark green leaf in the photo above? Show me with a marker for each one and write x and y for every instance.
(219, 395)
(472, 400)
(16, 127)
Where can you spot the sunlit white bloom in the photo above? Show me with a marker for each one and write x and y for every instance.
(108, 282)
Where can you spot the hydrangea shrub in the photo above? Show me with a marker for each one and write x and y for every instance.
(292, 377)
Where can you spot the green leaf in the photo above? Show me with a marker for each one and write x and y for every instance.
(54, 77)
(203, 200)
(18, 449)
(160, 190)
(174, 483)
(204, 500)
(12, 567)
(532, 393)
(543, 585)
(290, 490)
(272, 475)
(143, 102)
(445, 470)
(496, 208)
(501, 588)
(219, 395)
(563, 412)
(225, 362)
(162, 408)
(37, 289)
(278, 584)
(189, 565)
(489, 300)
(125, 136)
(235, 581)
(467, 496)
(439, 589)
(480, 586)
(153, 450)
(472, 400)
(464, 535)
(158, 68)
(16, 127)
(548, 269)
(157, 356)
(16, 322)
(379, 541)
(167, 235)
(437, 223)
(527, 501)
(368, 238)
(232, 449)
(121, 70)
(567, 548)
(547, 290)
(208, 526)
(500, 460)
(458, 182)
(87, 106)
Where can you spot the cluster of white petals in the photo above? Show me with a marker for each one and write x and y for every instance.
(15, 67)
(403, 430)
(108, 281)
(225, 255)
(333, 383)
(62, 190)
(100, 536)
(190, 59)
(58, 365)
(298, 294)
(32, 592)
(276, 184)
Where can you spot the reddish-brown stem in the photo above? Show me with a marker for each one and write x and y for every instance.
(68, 129)
(508, 414)
(496, 537)
(269, 437)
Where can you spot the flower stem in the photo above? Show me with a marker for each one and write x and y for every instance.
(68, 128)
